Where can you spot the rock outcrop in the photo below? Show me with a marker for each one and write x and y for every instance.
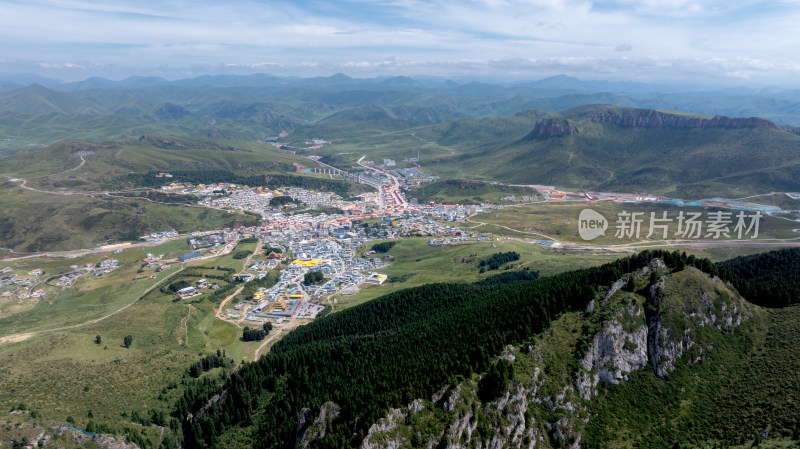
(649, 118)
(617, 350)
(676, 322)
(554, 127)
(628, 340)
(309, 433)
(702, 303)
(468, 423)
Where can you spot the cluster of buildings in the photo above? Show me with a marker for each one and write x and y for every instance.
(155, 262)
(13, 279)
(319, 241)
(106, 266)
(23, 286)
(523, 198)
(213, 239)
(263, 266)
(67, 279)
(24, 293)
(329, 250)
(417, 225)
(248, 199)
(317, 199)
(156, 237)
(413, 176)
(260, 199)
(189, 292)
(196, 290)
(457, 240)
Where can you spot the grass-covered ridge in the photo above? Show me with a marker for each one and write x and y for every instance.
(388, 351)
(605, 156)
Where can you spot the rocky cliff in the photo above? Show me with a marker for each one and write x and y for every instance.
(554, 127)
(617, 350)
(455, 418)
(651, 319)
(309, 433)
(649, 118)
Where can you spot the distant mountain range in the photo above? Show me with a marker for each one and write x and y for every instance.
(554, 131)
(553, 94)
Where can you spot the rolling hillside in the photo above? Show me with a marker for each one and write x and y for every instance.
(498, 136)
(619, 149)
(79, 201)
(37, 99)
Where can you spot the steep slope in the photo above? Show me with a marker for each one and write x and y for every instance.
(767, 279)
(470, 135)
(633, 353)
(651, 370)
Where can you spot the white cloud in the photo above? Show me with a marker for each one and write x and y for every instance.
(624, 38)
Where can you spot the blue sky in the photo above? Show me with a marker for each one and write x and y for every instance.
(696, 41)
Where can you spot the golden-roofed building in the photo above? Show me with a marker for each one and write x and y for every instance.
(278, 304)
(307, 263)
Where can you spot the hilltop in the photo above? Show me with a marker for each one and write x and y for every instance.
(623, 149)
(37, 99)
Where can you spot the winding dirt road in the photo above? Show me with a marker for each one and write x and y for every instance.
(27, 335)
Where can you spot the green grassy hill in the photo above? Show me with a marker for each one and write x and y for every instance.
(469, 192)
(721, 392)
(499, 360)
(33, 221)
(37, 99)
(74, 210)
(671, 156)
(51, 167)
(22, 131)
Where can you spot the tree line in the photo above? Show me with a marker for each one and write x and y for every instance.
(272, 181)
(383, 247)
(209, 362)
(393, 349)
(256, 334)
(770, 279)
(497, 260)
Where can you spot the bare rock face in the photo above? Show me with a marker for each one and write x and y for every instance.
(549, 407)
(664, 348)
(617, 350)
(109, 442)
(100, 440)
(554, 127)
(649, 118)
(505, 422)
(684, 302)
(313, 433)
(514, 429)
(386, 433)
